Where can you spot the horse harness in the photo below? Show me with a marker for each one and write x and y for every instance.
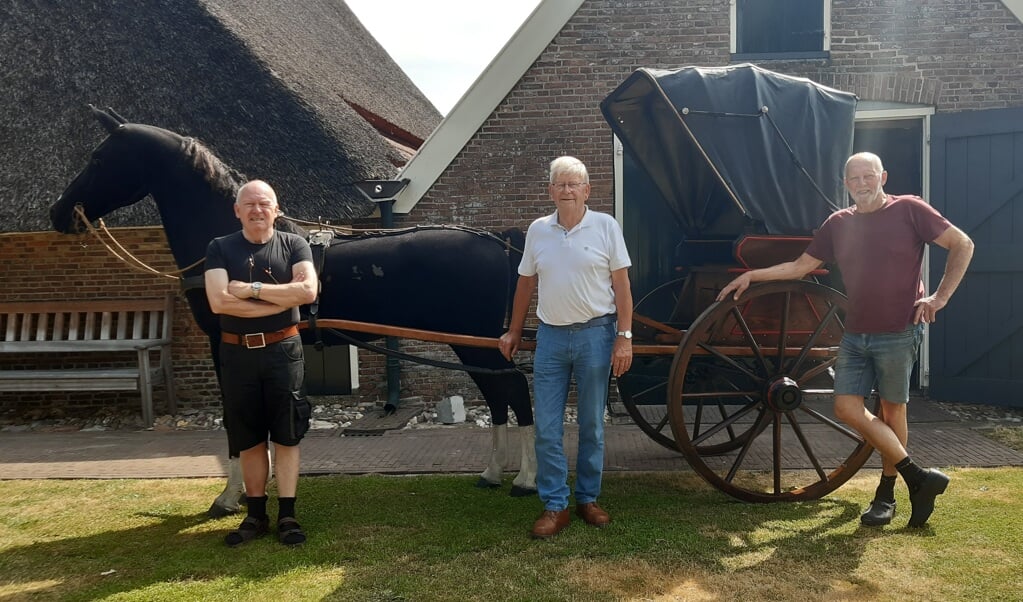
(319, 241)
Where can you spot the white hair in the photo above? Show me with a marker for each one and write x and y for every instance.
(569, 165)
(865, 156)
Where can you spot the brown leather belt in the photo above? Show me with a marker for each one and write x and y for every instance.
(257, 340)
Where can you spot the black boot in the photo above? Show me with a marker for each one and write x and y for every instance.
(878, 514)
(933, 484)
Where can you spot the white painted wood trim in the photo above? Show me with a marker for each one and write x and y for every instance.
(618, 159)
(489, 89)
(924, 113)
(1016, 6)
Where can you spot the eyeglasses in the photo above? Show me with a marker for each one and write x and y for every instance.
(573, 186)
(867, 179)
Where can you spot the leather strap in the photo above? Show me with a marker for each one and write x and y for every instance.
(257, 340)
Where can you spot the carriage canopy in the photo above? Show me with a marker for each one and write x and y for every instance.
(736, 149)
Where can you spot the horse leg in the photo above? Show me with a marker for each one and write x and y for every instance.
(501, 391)
(519, 401)
(525, 482)
(233, 496)
(491, 477)
(230, 499)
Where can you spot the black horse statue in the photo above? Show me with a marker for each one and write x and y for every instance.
(457, 281)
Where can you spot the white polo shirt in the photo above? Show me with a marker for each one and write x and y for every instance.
(574, 266)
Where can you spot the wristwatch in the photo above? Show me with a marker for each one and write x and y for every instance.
(256, 287)
(625, 333)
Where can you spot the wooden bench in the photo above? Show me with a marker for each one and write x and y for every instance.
(64, 327)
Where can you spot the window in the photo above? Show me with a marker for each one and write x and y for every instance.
(780, 29)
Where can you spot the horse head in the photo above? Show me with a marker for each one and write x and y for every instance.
(193, 189)
(113, 178)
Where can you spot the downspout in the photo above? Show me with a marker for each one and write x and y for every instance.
(383, 192)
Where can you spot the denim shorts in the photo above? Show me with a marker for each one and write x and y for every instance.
(884, 360)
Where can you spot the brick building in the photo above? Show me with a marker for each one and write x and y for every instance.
(941, 99)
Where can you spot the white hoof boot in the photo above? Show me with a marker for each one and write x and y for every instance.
(491, 477)
(230, 500)
(525, 482)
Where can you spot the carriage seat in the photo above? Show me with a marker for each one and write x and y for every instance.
(708, 265)
(46, 345)
(698, 252)
(755, 251)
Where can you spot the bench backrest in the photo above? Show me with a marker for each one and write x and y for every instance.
(85, 325)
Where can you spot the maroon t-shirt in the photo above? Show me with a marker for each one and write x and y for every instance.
(880, 255)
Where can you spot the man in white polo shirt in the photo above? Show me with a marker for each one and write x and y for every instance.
(577, 261)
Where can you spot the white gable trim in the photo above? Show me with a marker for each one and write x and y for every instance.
(1016, 6)
(489, 89)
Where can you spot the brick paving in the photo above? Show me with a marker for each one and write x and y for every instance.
(937, 439)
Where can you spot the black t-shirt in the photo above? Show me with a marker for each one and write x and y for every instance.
(269, 263)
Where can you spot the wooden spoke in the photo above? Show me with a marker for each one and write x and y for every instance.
(759, 360)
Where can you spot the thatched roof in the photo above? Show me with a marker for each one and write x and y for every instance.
(296, 93)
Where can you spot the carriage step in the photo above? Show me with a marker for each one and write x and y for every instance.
(377, 423)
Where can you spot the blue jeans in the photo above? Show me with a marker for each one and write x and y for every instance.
(885, 360)
(561, 353)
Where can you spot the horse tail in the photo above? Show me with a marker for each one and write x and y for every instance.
(514, 241)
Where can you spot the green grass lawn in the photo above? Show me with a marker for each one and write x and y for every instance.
(375, 538)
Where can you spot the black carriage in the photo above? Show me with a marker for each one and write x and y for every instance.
(747, 163)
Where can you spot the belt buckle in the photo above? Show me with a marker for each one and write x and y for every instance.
(257, 336)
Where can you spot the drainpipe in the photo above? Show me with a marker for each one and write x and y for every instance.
(383, 193)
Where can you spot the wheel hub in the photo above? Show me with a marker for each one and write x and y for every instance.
(783, 394)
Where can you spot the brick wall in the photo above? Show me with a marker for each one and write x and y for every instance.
(43, 266)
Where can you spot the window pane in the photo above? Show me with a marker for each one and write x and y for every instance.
(767, 26)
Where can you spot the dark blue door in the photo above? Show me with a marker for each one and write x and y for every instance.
(977, 182)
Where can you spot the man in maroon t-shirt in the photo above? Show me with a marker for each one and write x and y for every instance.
(878, 244)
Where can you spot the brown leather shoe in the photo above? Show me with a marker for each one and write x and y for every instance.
(550, 523)
(593, 514)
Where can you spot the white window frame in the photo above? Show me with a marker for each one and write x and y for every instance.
(924, 113)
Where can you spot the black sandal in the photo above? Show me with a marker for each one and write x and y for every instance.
(289, 532)
(251, 528)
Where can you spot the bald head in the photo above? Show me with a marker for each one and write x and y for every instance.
(256, 207)
(868, 158)
(255, 189)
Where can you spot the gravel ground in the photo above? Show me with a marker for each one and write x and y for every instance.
(983, 414)
(339, 412)
(328, 413)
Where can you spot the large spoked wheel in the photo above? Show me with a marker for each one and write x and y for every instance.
(643, 390)
(765, 363)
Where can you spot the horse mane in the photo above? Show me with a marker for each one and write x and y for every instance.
(222, 178)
